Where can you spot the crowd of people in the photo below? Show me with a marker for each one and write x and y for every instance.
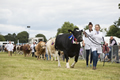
(94, 44)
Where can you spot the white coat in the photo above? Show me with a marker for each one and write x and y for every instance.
(10, 47)
(87, 41)
(32, 47)
(99, 38)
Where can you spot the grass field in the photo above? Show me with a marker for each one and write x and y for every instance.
(29, 68)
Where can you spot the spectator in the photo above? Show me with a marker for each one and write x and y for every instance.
(113, 44)
(106, 50)
(33, 49)
(10, 48)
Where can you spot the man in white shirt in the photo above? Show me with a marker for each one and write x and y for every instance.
(33, 49)
(10, 48)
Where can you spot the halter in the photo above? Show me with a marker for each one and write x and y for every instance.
(74, 40)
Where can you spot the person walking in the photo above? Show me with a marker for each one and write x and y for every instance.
(96, 48)
(10, 48)
(33, 49)
(87, 43)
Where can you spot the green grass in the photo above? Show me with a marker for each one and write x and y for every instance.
(28, 68)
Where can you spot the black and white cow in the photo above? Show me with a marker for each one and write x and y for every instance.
(69, 43)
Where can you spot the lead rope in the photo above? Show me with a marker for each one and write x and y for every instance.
(93, 40)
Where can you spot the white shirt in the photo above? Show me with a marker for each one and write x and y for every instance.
(99, 38)
(86, 40)
(32, 47)
(9, 47)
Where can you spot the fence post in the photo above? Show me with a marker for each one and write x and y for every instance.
(111, 54)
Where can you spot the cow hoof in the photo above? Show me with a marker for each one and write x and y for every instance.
(59, 66)
(67, 66)
(72, 67)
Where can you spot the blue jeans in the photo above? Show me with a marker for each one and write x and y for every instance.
(46, 56)
(87, 56)
(95, 58)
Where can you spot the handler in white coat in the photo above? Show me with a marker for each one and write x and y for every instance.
(87, 43)
(33, 49)
(96, 48)
(10, 48)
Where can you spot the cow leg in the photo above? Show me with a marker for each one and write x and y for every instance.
(38, 56)
(55, 56)
(76, 59)
(24, 55)
(58, 58)
(67, 59)
(41, 56)
(44, 56)
(51, 57)
(73, 64)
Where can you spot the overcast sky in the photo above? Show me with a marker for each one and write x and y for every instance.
(46, 16)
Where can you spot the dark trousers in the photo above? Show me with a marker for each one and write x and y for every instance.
(87, 56)
(95, 58)
(32, 54)
(109, 56)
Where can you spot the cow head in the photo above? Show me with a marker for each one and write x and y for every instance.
(77, 34)
(28, 47)
(42, 45)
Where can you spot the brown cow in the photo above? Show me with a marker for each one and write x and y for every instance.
(5, 49)
(40, 49)
(26, 49)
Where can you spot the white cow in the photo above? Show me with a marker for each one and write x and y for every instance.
(51, 49)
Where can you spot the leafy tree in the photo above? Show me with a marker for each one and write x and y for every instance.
(113, 31)
(2, 38)
(65, 27)
(23, 37)
(10, 37)
(41, 35)
(86, 27)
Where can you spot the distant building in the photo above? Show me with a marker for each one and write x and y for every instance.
(5, 42)
(35, 39)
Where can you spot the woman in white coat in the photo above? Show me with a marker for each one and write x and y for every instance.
(87, 43)
(96, 48)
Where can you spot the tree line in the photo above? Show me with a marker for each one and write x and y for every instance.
(22, 37)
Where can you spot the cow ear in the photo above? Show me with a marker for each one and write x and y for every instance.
(70, 31)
